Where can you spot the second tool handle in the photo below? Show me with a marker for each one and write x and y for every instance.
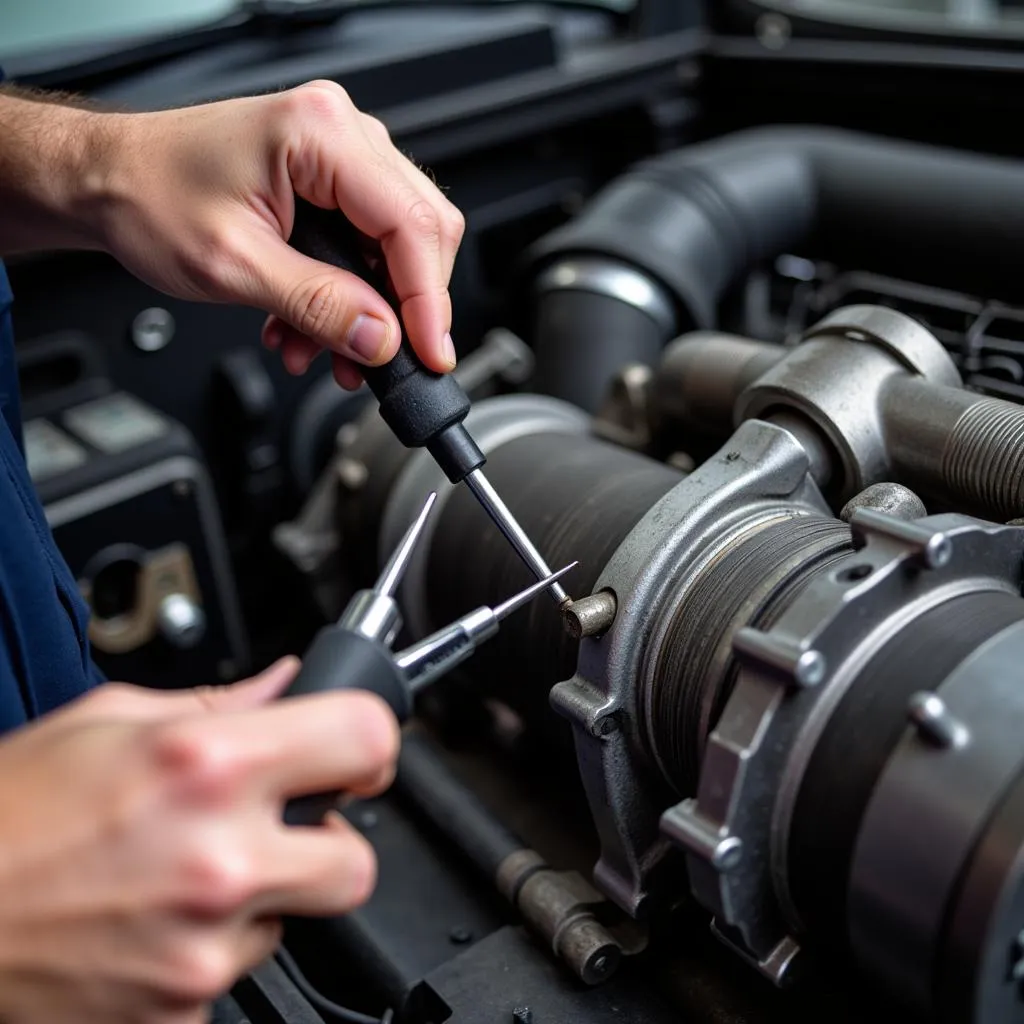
(418, 404)
(340, 659)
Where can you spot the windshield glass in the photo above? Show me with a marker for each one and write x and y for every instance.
(31, 26)
(977, 16)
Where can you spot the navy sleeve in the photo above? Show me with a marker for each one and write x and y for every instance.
(45, 657)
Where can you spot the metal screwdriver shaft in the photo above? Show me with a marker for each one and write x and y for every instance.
(514, 533)
(436, 655)
(424, 409)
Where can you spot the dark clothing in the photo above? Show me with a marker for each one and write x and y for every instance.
(44, 650)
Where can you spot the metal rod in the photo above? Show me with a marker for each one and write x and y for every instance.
(392, 574)
(514, 533)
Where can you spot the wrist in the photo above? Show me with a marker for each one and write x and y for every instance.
(59, 172)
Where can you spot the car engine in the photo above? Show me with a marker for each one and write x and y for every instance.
(763, 380)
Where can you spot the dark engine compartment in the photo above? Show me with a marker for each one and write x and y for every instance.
(664, 209)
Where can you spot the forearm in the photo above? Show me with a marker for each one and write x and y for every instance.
(56, 163)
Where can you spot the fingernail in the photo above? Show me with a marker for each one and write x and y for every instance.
(448, 350)
(368, 338)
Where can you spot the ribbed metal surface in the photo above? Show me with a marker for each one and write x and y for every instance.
(984, 458)
(695, 673)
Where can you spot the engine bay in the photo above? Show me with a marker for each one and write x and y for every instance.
(743, 326)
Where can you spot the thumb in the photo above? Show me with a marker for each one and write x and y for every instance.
(332, 308)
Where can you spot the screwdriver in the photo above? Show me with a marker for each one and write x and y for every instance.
(354, 653)
(422, 408)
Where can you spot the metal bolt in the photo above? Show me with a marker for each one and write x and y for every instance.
(522, 1015)
(607, 725)
(460, 936)
(932, 548)
(773, 31)
(152, 329)
(181, 621)
(589, 616)
(783, 653)
(352, 473)
(727, 854)
(935, 723)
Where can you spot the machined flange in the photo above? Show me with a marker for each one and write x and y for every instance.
(735, 831)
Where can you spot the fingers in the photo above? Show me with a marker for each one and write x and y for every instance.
(327, 307)
(249, 693)
(322, 871)
(346, 159)
(344, 741)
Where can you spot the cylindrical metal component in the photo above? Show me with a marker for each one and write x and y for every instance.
(958, 446)
(591, 615)
(695, 668)
(594, 315)
(702, 374)
(860, 737)
(577, 498)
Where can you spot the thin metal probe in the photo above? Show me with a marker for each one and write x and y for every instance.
(400, 557)
(439, 653)
(514, 533)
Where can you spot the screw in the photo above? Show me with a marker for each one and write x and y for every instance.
(460, 936)
(152, 329)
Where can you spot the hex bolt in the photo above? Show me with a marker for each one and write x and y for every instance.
(934, 721)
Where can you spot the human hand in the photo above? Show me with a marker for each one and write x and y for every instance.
(143, 862)
(199, 202)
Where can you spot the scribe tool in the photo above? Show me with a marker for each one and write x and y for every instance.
(355, 652)
(422, 408)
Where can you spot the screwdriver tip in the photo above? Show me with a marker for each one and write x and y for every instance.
(525, 596)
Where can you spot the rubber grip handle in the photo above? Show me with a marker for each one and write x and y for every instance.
(339, 659)
(416, 403)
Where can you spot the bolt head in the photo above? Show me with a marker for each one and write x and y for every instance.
(810, 668)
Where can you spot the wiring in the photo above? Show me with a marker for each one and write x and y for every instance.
(321, 1002)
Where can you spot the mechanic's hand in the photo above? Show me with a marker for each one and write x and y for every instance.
(202, 201)
(143, 862)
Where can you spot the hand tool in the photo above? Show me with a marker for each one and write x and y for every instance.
(423, 408)
(355, 652)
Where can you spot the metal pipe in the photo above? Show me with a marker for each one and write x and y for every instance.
(956, 445)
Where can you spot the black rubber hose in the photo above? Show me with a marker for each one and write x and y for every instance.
(561, 371)
(424, 781)
(696, 220)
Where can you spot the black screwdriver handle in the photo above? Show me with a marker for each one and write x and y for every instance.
(339, 659)
(422, 408)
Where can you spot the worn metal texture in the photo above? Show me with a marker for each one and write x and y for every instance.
(762, 469)
(905, 866)
(736, 829)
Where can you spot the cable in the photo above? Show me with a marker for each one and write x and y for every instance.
(320, 1001)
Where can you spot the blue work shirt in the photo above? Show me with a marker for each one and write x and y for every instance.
(45, 659)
